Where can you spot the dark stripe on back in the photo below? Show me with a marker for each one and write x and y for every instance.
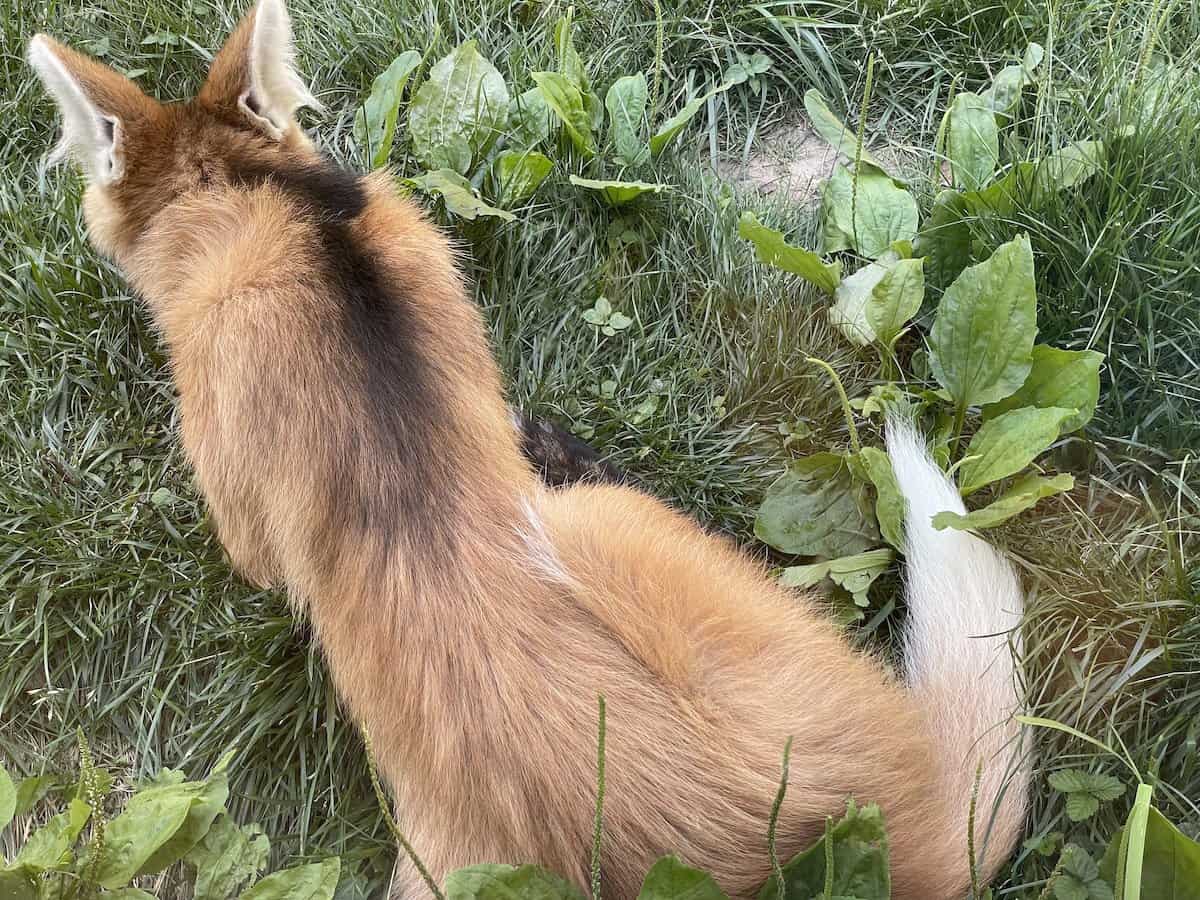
(400, 389)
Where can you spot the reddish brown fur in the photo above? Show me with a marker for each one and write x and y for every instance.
(472, 640)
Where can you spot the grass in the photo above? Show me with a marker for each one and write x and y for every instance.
(120, 615)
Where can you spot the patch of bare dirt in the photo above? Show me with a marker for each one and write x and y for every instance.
(790, 160)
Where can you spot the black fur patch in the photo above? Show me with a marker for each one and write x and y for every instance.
(561, 458)
(403, 441)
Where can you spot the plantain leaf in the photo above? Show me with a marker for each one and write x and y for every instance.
(889, 500)
(8, 798)
(772, 249)
(31, 790)
(566, 101)
(458, 195)
(1004, 94)
(816, 509)
(147, 823)
(618, 193)
(1024, 494)
(1170, 861)
(972, 142)
(208, 801)
(375, 123)
(895, 299)
(982, 337)
(501, 882)
(1069, 379)
(47, 847)
(626, 104)
(669, 879)
(834, 132)
(315, 881)
(459, 111)
(516, 175)
(870, 222)
(859, 850)
(530, 120)
(1008, 443)
(226, 857)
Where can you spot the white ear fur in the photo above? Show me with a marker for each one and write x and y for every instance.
(276, 90)
(89, 135)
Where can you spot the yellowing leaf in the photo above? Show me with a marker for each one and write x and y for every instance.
(772, 249)
(566, 100)
(458, 195)
(617, 193)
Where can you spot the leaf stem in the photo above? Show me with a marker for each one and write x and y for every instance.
(598, 827)
(780, 884)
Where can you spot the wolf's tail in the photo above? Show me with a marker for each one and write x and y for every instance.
(964, 610)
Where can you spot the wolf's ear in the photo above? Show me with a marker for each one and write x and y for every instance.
(254, 73)
(97, 105)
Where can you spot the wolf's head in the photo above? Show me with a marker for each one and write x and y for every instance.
(139, 155)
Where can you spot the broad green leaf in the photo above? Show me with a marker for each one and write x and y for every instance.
(1079, 877)
(889, 500)
(855, 573)
(501, 882)
(982, 337)
(747, 68)
(8, 798)
(670, 128)
(626, 104)
(972, 142)
(149, 820)
(1024, 494)
(1069, 379)
(459, 111)
(860, 861)
(33, 789)
(515, 175)
(47, 847)
(1002, 97)
(881, 213)
(1081, 806)
(566, 101)
(833, 132)
(848, 313)
(530, 120)
(129, 893)
(226, 857)
(945, 238)
(17, 884)
(208, 801)
(895, 299)
(669, 879)
(315, 881)
(1067, 167)
(570, 65)
(375, 123)
(816, 509)
(772, 249)
(1008, 443)
(617, 193)
(458, 195)
(1170, 861)
(1077, 781)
